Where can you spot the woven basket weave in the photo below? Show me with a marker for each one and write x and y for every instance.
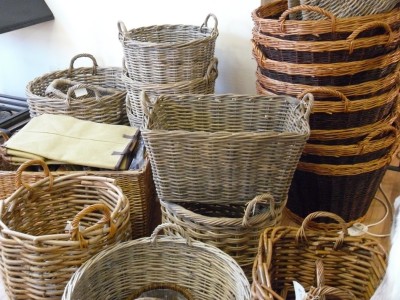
(235, 229)
(200, 269)
(39, 252)
(287, 254)
(162, 54)
(109, 109)
(202, 85)
(236, 146)
(137, 186)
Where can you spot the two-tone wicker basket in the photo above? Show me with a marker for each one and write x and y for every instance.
(48, 229)
(287, 254)
(195, 269)
(83, 102)
(224, 148)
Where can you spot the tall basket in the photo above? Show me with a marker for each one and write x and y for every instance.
(48, 229)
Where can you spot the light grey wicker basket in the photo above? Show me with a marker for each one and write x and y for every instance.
(224, 148)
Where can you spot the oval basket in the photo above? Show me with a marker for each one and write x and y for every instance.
(235, 229)
(102, 108)
(162, 54)
(353, 265)
(201, 270)
(40, 250)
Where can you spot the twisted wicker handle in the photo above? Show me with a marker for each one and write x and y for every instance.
(319, 10)
(71, 65)
(251, 207)
(156, 286)
(25, 165)
(368, 26)
(215, 29)
(307, 104)
(329, 91)
(121, 27)
(212, 68)
(174, 227)
(82, 86)
(301, 233)
(363, 145)
(76, 235)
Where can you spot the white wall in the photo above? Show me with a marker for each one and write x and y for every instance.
(90, 26)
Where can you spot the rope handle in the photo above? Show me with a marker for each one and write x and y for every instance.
(76, 235)
(328, 91)
(367, 26)
(365, 142)
(319, 10)
(306, 105)
(122, 28)
(82, 86)
(251, 207)
(25, 165)
(157, 286)
(301, 233)
(205, 24)
(154, 236)
(71, 65)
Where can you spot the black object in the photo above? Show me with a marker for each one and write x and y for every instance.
(16, 14)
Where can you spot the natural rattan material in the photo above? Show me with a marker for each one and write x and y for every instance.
(202, 85)
(110, 109)
(287, 254)
(162, 54)
(137, 186)
(235, 229)
(118, 272)
(224, 148)
(39, 251)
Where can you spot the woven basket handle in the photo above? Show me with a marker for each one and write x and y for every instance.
(76, 235)
(212, 68)
(363, 145)
(121, 27)
(306, 105)
(82, 86)
(368, 26)
(301, 233)
(173, 227)
(205, 24)
(25, 165)
(319, 10)
(329, 91)
(71, 65)
(251, 207)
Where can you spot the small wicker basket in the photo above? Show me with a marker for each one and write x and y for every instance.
(237, 146)
(102, 109)
(202, 270)
(162, 54)
(287, 254)
(39, 250)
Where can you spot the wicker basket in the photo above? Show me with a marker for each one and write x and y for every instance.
(39, 251)
(236, 146)
(271, 19)
(201, 269)
(287, 254)
(235, 229)
(202, 85)
(344, 189)
(137, 186)
(162, 54)
(110, 109)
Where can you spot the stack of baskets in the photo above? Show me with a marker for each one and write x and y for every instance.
(212, 154)
(351, 67)
(167, 59)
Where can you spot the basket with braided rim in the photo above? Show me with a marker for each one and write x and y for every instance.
(39, 250)
(167, 53)
(102, 109)
(287, 254)
(235, 229)
(203, 271)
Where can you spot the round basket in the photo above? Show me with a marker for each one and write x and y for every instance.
(354, 265)
(162, 54)
(200, 270)
(202, 85)
(48, 229)
(235, 229)
(88, 101)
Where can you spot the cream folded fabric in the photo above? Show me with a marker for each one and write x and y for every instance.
(70, 140)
